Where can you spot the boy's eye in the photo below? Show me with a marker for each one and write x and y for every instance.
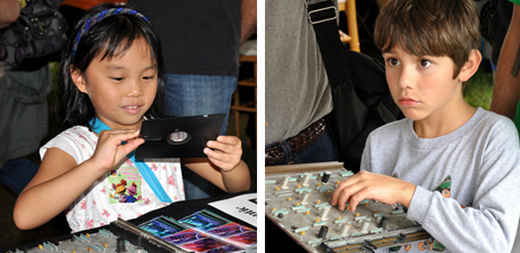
(424, 63)
(148, 77)
(393, 61)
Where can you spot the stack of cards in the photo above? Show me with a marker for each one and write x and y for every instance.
(203, 231)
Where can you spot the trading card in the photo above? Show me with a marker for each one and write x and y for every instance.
(162, 227)
(204, 245)
(227, 249)
(204, 220)
(248, 238)
(228, 230)
(185, 236)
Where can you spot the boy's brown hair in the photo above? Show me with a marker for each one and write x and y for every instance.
(430, 27)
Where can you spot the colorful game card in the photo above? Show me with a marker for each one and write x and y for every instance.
(209, 244)
(162, 227)
(248, 238)
(185, 236)
(204, 220)
(213, 225)
(228, 230)
(229, 248)
(203, 231)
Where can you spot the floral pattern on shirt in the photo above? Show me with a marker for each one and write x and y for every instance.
(92, 208)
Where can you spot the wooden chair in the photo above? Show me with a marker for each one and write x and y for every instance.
(250, 107)
(349, 7)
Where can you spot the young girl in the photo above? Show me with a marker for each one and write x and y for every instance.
(111, 80)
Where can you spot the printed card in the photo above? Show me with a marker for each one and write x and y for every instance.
(125, 185)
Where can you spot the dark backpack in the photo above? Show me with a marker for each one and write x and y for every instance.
(361, 104)
(362, 99)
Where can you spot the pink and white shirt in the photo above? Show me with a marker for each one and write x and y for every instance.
(122, 192)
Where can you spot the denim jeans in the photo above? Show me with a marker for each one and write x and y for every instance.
(323, 149)
(17, 173)
(188, 95)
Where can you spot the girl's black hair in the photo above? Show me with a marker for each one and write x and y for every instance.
(110, 37)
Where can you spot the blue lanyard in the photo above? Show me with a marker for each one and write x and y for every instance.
(143, 168)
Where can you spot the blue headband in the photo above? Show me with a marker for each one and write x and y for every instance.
(100, 16)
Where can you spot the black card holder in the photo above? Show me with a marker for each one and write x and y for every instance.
(178, 137)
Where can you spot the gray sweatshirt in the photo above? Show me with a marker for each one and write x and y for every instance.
(479, 210)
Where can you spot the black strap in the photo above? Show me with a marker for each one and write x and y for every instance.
(336, 63)
(361, 98)
(322, 16)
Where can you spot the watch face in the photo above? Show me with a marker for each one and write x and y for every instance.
(178, 137)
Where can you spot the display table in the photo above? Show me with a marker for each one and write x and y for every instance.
(175, 210)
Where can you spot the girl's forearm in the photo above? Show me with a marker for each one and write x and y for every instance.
(238, 179)
(42, 202)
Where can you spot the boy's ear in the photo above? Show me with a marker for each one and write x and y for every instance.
(471, 66)
(78, 79)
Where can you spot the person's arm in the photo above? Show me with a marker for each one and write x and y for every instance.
(60, 180)
(494, 214)
(489, 223)
(9, 12)
(367, 185)
(57, 184)
(223, 167)
(248, 9)
(506, 92)
(493, 186)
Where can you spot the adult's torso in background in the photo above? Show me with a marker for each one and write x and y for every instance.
(297, 91)
(198, 37)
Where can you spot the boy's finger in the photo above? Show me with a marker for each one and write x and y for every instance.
(339, 190)
(335, 195)
(355, 199)
(349, 194)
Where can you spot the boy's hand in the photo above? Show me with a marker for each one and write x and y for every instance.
(226, 153)
(109, 150)
(366, 185)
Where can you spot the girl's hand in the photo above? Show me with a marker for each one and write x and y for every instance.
(366, 185)
(110, 150)
(226, 153)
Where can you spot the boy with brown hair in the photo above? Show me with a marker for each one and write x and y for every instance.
(455, 168)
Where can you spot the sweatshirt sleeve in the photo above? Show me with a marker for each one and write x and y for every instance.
(365, 157)
(486, 226)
